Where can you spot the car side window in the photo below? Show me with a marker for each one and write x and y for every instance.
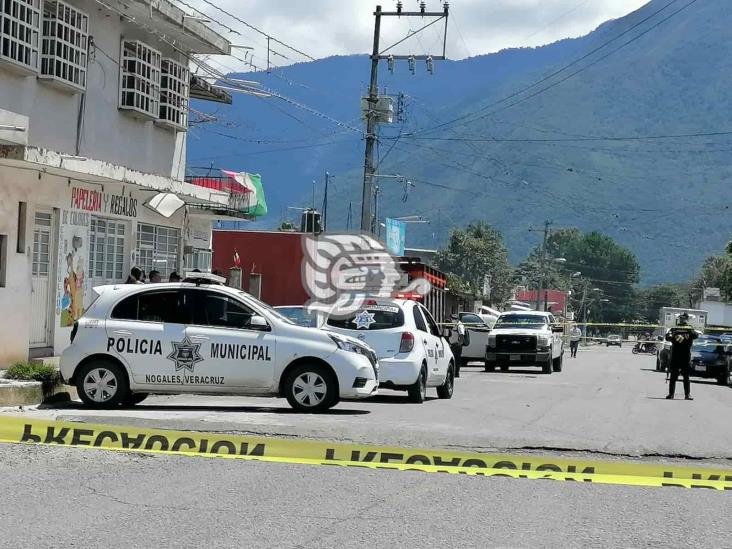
(170, 306)
(434, 330)
(471, 319)
(419, 320)
(221, 310)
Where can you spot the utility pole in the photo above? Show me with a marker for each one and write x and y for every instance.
(368, 167)
(325, 202)
(542, 266)
(372, 116)
(375, 226)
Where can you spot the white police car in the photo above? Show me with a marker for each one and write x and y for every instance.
(202, 337)
(412, 353)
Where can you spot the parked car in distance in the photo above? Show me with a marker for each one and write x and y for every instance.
(613, 339)
(478, 330)
(710, 358)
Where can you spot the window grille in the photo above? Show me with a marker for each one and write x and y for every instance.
(157, 248)
(140, 79)
(64, 46)
(174, 85)
(107, 250)
(20, 26)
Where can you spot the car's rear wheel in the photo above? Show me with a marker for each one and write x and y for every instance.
(446, 389)
(102, 384)
(311, 388)
(504, 367)
(557, 364)
(547, 366)
(490, 366)
(658, 363)
(134, 398)
(418, 390)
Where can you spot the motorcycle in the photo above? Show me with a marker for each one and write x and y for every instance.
(645, 348)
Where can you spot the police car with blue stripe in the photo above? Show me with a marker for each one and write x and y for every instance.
(199, 336)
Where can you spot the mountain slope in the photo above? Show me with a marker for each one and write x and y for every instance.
(667, 199)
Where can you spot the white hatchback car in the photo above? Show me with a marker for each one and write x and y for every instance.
(411, 351)
(206, 338)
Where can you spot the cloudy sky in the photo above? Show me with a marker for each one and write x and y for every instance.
(329, 27)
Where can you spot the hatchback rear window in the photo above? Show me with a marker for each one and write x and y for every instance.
(380, 317)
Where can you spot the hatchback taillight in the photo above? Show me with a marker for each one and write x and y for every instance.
(407, 343)
(74, 330)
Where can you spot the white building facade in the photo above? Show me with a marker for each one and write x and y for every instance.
(93, 118)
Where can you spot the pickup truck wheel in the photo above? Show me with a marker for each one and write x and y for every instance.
(504, 367)
(557, 364)
(658, 363)
(547, 366)
(446, 389)
(490, 366)
(418, 390)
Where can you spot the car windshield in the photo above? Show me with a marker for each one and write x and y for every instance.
(521, 321)
(298, 315)
(373, 317)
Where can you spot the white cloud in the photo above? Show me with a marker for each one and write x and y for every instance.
(329, 27)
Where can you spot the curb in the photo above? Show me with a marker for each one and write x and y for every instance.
(30, 393)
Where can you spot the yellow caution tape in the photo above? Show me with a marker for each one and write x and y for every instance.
(160, 441)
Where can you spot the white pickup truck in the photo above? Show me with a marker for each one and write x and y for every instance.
(521, 338)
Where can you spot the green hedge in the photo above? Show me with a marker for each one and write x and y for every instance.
(25, 371)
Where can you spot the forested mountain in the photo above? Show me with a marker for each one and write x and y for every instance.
(589, 147)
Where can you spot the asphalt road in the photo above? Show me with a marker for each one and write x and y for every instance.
(606, 401)
(65, 497)
(607, 404)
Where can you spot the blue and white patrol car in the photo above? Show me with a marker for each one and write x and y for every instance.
(200, 336)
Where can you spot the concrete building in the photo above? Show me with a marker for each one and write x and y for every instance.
(93, 118)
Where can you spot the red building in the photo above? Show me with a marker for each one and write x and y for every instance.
(271, 265)
(554, 300)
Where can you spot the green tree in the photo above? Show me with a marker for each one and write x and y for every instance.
(604, 264)
(473, 252)
(716, 272)
(650, 300)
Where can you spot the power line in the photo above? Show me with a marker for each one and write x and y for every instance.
(555, 73)
(249, 25)
(571, 139)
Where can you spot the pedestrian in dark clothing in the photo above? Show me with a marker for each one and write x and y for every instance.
(174, 277)
(155, 277)
(135, 276)
(681, 338)
(457, 339)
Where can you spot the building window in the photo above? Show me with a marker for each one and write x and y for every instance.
(157, 248)
(64, 48)
(107, 249)
(41, 260)
(198, 259)
(139, 90)
(20, 25)
(174, 84)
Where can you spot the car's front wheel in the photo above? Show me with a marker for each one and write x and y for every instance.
(311, 388)
(446, 389)
(547, 366)
(418, 390)
(102, 384)
(490, 366)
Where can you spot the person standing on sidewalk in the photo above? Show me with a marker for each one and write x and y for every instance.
(457, 340)
(575, 334)
(681, 338)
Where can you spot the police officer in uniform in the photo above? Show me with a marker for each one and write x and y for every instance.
(681, 338)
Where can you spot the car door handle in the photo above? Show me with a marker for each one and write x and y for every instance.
(201, 338)
(122, 332)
